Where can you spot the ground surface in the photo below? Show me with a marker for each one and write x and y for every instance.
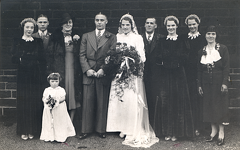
(10, 141)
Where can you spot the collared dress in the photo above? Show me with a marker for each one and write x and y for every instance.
(193, 44)
(211, 77)
(29, 57)
(175, 115)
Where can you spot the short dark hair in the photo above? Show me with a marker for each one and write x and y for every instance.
(54, 76)
(42, 15)
(213, 28)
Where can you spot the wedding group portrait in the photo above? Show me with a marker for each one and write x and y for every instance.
(109, 74)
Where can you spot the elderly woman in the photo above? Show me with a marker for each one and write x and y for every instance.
(173, 115)
(213, 71)
(27, 52)
(63, 57)
(194, 42)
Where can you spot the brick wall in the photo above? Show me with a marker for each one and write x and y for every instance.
(223, 12)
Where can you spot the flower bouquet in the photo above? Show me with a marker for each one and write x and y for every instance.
(51, 102)
(126, 60)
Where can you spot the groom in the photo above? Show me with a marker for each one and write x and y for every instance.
(96, 85)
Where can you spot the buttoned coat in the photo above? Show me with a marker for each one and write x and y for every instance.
(95, 90)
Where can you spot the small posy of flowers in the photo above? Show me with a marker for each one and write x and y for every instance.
(107, 35)
(204, 52)
(217, 46)
(69, 40)
(51, 102)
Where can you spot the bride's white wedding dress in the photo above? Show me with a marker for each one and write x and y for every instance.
(130, 116)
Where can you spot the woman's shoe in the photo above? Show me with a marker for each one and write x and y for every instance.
(174, 139)
(24, 137)
(121, 135)
(209, 139)
(220, 142)
(167, 138)
(30, 136)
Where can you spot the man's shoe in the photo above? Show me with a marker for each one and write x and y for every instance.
(83, 136)
(102, 135)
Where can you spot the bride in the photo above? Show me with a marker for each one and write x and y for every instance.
(129, 116)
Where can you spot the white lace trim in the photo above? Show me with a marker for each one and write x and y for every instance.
(27, 38)
(170, 37)
(211, 57)
(193, 36)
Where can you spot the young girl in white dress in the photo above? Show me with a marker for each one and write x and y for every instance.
(56, 123)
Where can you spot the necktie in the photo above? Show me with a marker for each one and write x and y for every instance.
(98, 36)
(42, 35)
(149, 40)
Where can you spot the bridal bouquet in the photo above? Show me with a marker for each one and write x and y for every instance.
(127, 60)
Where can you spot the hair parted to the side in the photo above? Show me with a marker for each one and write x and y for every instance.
(126, 19)
(54, 76)
(28, 20)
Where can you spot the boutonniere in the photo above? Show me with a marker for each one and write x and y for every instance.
(76, 37)
(204, 52)
(107, 35)
(217, 46)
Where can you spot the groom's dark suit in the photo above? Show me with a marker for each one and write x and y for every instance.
(152, 50)
(95, 90)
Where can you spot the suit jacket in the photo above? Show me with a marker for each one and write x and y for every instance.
(92, 55)
(151, 52)
(45, 39)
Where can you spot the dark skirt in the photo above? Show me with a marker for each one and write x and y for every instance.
(173, 113)
(215, 103)
(29, 101)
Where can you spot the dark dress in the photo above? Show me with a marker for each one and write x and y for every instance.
(29, 88)
(215, 103)
(193, 46)
(175, 117)
(64, 59)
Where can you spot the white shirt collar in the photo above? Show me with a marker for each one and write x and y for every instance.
(40, 32)
(102, 31)
(193, 36)
(150, 35)
(170, 37)
(26, 38)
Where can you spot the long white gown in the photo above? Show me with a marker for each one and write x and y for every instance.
(56, 124)
(130, 116)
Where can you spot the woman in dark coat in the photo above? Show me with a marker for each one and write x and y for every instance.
(194, 42)
(175, 115)
(27, 52)
(63, 57)
(213, 71)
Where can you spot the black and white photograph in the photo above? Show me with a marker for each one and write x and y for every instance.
(119, 74)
